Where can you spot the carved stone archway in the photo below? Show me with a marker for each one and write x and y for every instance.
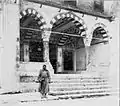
(77, 20)
(26, 16)
(102, 32)
(66, 23)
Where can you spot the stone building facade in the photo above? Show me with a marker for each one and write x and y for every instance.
(69, 43)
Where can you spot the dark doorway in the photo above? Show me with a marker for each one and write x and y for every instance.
(53, 56)
(68, 60)
(36, 51)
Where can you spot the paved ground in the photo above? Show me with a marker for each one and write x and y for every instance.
(33, 99)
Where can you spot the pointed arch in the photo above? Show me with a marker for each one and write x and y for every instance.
(76, 20)
(33, 12)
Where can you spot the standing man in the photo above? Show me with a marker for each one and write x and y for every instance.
(44, 80)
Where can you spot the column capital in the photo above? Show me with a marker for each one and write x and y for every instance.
(87, 40)
(46, 35)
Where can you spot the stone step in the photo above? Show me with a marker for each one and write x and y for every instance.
(79, 84)
(77, 77)
(68, 91)
(62, 77)
(69, 86)
(63, 88)
(73, 92)
(35, 73)
(56, 80)
(78, 81)
(76, 85)
(68, 82)
(27, 80)
(77, 95)
(78, 88)
(66, 85)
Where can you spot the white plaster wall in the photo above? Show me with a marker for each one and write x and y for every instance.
(114, 28)
(99, 55)
(96, 58)
(90, 22)
(8, 56)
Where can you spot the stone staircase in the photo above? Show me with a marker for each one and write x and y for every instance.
(82, 85)
(69, 84)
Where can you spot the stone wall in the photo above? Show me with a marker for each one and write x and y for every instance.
(98, 54)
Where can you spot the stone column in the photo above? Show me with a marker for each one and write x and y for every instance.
(45, 37)
(74, 60)
(86, 56)
(59, 59)
(8, 57)
(87, 42)
(46, 50)
(26, 52)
